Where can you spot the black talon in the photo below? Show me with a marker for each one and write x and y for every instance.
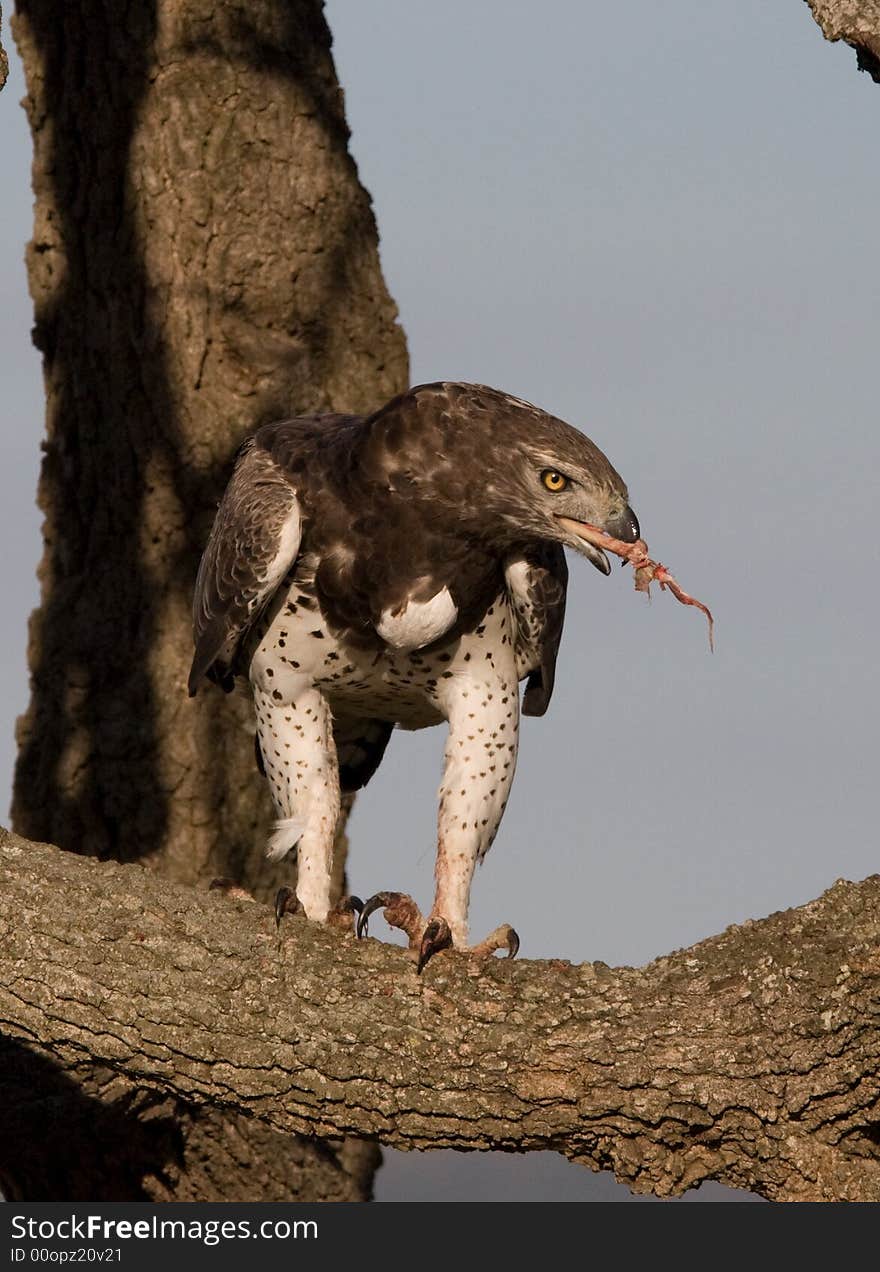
(512, 944)
(436, 936)
(282, 899)
(376, 902)
(342, 916)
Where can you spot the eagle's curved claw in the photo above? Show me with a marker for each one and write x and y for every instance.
(376, 901)
(503, 938)
(286, 902)
(436, 936)
(400, 911)
(342, 916)
(429, 936)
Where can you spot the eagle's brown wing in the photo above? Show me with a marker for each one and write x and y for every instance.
(537, 583)
(253, 543)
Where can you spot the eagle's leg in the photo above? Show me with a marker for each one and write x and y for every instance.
(479, 763)
(299, 754)
(478, 766)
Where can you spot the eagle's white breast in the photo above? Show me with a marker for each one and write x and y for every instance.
(418, 623)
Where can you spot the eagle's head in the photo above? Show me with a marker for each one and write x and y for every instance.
(500, 469)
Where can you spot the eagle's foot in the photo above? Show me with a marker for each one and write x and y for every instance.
(286, 902)
(435, 937)
(344, 914)
(503, 938)
(341, 917)
(430, 936)
(399, 911)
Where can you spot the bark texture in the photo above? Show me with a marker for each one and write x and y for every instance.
(204, 259)
(752, 1058)
(858, 23)
(4, 64)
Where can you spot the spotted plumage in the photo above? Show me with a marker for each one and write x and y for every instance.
(402, 569)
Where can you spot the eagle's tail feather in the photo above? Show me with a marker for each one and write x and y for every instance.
(287, 834)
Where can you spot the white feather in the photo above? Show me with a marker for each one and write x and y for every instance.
(287, 833)
(516, 573)
(418, 623)
(288, 547)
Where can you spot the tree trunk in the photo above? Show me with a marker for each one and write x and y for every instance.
(4, 64)
(858, 23)
(204, 259)
(752, 1058)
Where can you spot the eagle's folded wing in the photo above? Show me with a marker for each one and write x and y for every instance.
(254, 541)
(537, 583)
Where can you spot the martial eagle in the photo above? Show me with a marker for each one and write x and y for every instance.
(399, 569)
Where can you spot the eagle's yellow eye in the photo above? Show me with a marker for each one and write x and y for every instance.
(553, 480)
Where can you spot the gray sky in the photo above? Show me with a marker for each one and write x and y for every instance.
(658, 222)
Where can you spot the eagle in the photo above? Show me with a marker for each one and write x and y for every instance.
(399, 569)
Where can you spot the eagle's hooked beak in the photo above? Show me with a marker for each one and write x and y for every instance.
(593, 554)
(624, 527)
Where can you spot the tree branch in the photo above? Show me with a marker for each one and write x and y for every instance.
(4, 62)
(858, 23)
(752, 1058)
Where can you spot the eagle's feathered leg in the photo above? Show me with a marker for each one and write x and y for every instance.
(482, 707)
(295, 729)
(479, 761)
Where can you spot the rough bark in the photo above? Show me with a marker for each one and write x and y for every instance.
(4, 64)
(204, 258)
(752, 1058)
(858, 23)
